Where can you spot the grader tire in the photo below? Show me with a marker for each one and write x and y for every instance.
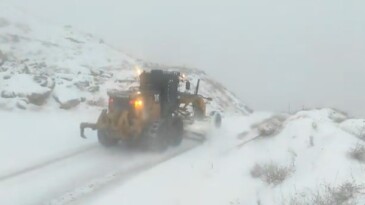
(217, 119)
(105, 139)
(176, 131)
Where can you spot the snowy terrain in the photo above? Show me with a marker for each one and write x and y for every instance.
(51, 79)
(312, 152)
(45, 158)
(309, 157)
(43, 66)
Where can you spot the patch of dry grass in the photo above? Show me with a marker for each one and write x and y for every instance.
(342, 194)
(272, 173)
(357, 153)
(271, 126)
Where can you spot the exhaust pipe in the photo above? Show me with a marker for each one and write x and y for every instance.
(197, 87)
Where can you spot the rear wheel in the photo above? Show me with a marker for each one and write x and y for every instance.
(106, 139)
(217, 119)
(176, 131)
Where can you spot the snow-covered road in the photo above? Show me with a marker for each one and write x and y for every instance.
(317, 151)
(67, 180)
(40, 164)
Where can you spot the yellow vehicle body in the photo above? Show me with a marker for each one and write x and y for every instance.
(149, 111)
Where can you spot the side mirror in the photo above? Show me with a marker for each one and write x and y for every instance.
(187, 85)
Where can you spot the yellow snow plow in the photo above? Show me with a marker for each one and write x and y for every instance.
(154, 115)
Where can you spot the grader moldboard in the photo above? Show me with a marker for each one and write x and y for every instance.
(154, 114)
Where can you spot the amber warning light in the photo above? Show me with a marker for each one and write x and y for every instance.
(138, 104)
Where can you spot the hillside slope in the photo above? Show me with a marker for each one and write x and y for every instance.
(45, 65)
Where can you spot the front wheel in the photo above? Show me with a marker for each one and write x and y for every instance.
(106, 139)
(217, 119)
(176, 131)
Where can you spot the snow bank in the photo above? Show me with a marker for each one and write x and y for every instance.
(355, 127)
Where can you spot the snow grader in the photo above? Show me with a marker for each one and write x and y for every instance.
(154, 114)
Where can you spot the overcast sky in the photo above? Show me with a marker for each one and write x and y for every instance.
(272, 53)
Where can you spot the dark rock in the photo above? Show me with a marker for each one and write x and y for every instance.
(45, 81)
(107, 75)
(94, 89)
(95, 72)
(68, 78)
(3, 58)
(7, 94)
(70, 104)
(67, 104)
(26, 70)
(24, 60)
(82, 85)
(100, 102)
(38, 98)
(6, 77)
(74, 40)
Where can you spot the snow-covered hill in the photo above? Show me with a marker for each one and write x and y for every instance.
(43, 65)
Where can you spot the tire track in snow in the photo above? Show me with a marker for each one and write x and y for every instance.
(47, 163)
(54, 160)
(116, 176)
(65, 179)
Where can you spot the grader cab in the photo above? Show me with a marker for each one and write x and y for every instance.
(153, 115)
